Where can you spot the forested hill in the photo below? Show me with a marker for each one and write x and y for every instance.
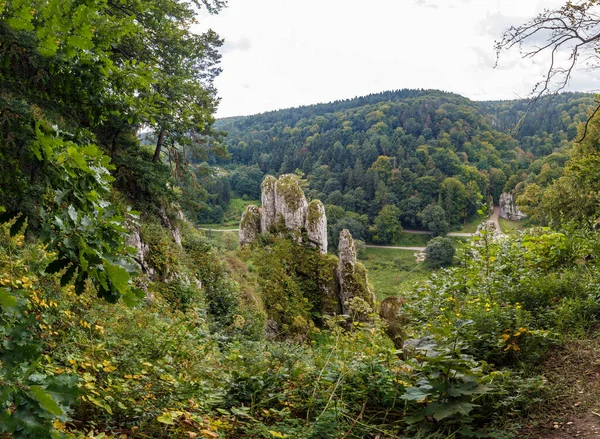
(408, 148)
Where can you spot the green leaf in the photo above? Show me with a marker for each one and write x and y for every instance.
(166, 418)
(46, 400)
(7, 300)
(77, 158)
(118, 277)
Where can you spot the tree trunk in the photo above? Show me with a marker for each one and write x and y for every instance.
(159, 142)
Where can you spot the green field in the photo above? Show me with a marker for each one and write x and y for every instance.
(508, 226)
(229, 240)
(392, 272)
(412, 240)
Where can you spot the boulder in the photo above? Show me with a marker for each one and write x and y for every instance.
(290, 203)
(509, 209)
(267, 198)
(250, 225)
(352, 275)
(316, 225)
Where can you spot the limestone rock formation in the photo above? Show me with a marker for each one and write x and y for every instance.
(509, 209)
(316, 225)
(390, 312)
(352, 275)
(290, 203)
(267, 198)
(141, 251)
(250, 225)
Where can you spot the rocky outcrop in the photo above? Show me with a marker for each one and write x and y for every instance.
(396, 323)
(509, 209)
(267, 198)
(352, 275)
(316, 225)
(290, 203)
(175, 232)
(285, 209)
(250, 225)
(141, 252)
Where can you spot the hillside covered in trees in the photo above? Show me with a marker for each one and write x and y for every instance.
(435, 157)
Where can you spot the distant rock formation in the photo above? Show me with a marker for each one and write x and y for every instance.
(290, 203)
(509, 209)
(250, 225)
(267, 198)
(284, 208)
(352, 275)
(316, 225)
(490, 228)
(285, 211)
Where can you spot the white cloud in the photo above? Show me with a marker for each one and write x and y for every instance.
(283, 53)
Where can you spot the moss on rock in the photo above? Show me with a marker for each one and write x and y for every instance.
(287, 187)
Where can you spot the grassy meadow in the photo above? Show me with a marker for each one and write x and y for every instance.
(392, 272)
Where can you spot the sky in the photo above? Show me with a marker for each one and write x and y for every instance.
(286, 53)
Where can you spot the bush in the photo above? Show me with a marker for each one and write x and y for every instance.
(439, 252)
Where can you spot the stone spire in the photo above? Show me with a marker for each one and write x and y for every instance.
(250, 225)
(316, 225)
(267, 198)
(352, 275)
(290, 202)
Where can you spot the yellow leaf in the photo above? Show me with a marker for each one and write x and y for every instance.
(208, 433)
(277, 434)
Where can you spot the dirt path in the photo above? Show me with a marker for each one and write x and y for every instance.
(495, 216)
(574, 412)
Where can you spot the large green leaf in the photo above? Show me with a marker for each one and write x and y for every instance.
(46, 400)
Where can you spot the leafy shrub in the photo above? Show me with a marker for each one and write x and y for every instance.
(439, 252)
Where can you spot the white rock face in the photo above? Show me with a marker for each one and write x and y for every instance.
(290, 202)
(250, 225)
(509, 209)
(267, 198)
(490, 228)
(316, 225)
(141, 251)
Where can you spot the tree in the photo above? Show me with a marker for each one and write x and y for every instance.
(570, 34)
(387, 228)
(79, 87)
(439, 252)
(78, 79)
(454, 200)
(433, 218)
(497, 183)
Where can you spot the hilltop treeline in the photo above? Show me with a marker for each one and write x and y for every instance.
(409, 148)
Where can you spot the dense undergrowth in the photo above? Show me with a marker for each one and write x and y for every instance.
(193, 362)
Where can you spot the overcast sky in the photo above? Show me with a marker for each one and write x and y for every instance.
(286, 53)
